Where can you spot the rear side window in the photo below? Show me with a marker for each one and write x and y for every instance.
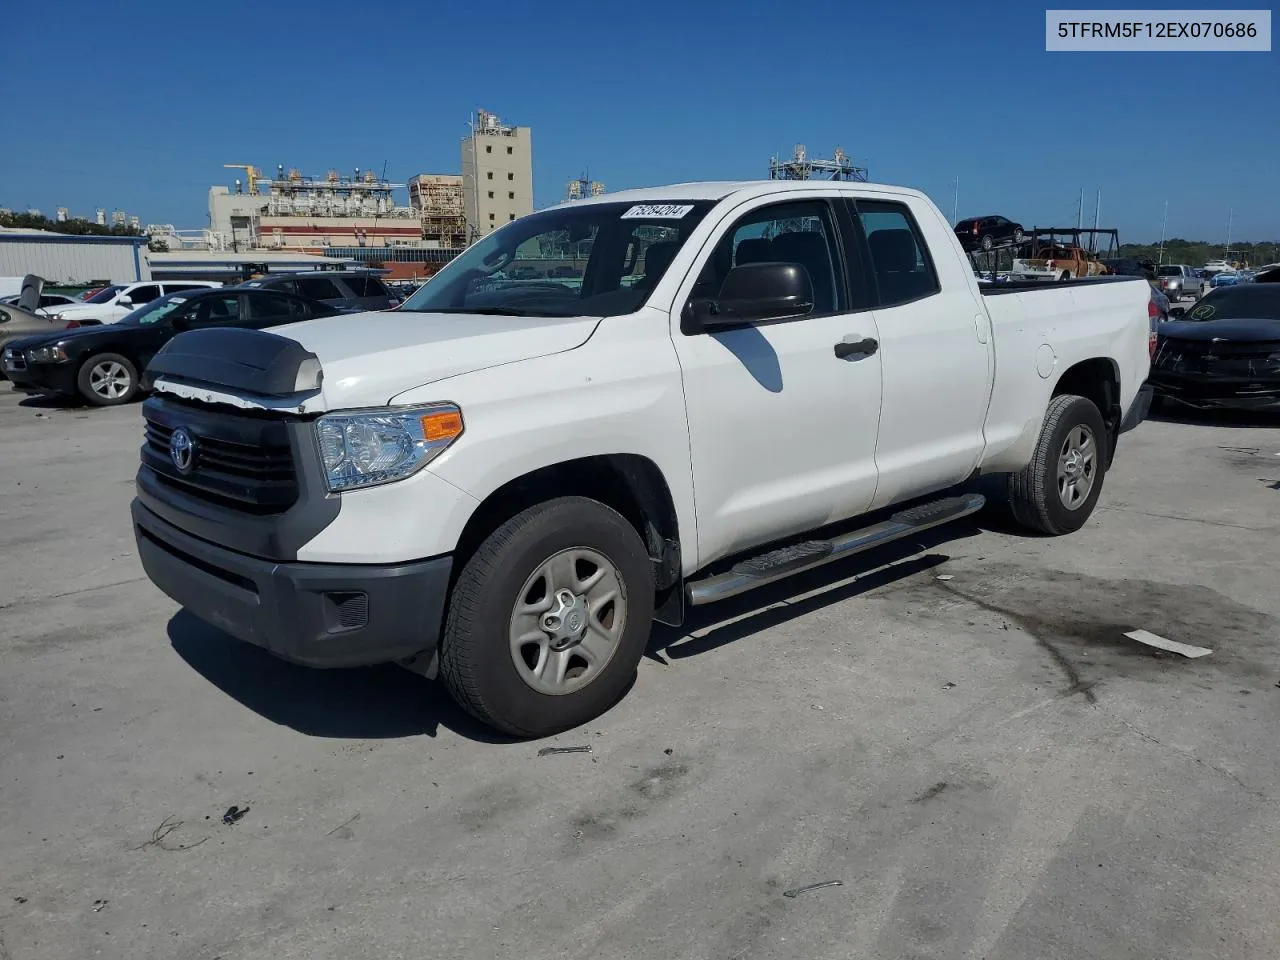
(899, 257)
(319, 288)
(366, 287)
(141, 295)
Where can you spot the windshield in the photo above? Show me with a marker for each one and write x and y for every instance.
(155, 311)
(594, 259)
(106, 295)
(1249, 302)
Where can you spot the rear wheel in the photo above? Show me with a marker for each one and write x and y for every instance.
(1056, 492)
(549, 618)
(987, 242)
(107, 379)
(1018, 236)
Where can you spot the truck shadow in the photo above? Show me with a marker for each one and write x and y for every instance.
(388, 702)
(368, 703)
(719, 624)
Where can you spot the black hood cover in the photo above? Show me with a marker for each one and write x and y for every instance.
(243, 360)
(1244, 331)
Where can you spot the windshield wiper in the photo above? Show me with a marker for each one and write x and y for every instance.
(491, 311)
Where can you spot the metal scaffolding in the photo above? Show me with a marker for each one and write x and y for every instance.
(801, 167)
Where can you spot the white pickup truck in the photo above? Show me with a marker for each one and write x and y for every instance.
(608, 411)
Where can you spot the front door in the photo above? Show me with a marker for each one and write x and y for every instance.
(782, 430)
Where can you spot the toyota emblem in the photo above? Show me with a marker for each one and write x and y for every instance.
(182, 450)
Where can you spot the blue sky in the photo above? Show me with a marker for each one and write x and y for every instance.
(137, 106)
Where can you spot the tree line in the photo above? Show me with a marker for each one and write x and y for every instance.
(1196, 253)
(74, 227)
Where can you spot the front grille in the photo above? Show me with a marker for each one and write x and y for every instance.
(242, 462)
(1222, 359)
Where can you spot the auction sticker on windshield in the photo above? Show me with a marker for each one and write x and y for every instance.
(659, 211)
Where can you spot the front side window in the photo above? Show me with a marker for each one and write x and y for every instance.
(211, 311)
(796, 232)
(594, 259)
(899, 258)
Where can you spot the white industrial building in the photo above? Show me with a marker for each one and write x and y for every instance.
(69, 260)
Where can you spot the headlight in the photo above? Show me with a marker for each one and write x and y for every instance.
(363, 450)
(54, 354)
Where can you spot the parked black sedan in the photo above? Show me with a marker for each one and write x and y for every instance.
(1222, 352)
(101, 363)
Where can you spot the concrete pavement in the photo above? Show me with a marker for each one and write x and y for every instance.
(989, 768)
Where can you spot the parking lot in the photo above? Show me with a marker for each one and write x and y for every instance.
(956, 730)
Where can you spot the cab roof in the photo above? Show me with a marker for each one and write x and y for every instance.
(720, 189)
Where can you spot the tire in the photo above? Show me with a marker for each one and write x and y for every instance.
(107, 380)
(478, 655)
(1034, 495)
(987, 243)
(1018, 236)
(1066, 275)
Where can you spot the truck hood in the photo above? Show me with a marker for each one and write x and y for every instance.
(1251, 331)
(368, 358)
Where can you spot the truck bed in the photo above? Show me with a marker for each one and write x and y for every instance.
(1023, 286)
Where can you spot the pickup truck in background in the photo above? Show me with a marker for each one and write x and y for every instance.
(504, 482)
(1179, 281)
(1057, 263)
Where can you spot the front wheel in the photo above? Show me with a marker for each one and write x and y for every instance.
(107, 380)
(1018, 236)
(1056, 492)
(549, 618)
(987, 243)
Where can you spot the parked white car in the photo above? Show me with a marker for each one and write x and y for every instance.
(506, 481)
(117, 301)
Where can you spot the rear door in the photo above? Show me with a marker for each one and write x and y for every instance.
(782, 429)
(935, 350)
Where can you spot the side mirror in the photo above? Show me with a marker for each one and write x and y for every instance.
(1177, 313)
(125, 302)
(180, 323)
(758, 291)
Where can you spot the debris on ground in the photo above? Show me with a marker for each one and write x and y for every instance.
(345, 823)
(554, 751)
(19, 899)
(167, 826)
(815, 706)
(813, 886)
(234, 814)
(950, 684)
(99, 904)
(669, 751)
(944, 577)
(1173, 646)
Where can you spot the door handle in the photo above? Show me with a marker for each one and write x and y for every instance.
(856, 349)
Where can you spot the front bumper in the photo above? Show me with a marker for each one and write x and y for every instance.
(59, 378)
(1210, 393)
(316, 614)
